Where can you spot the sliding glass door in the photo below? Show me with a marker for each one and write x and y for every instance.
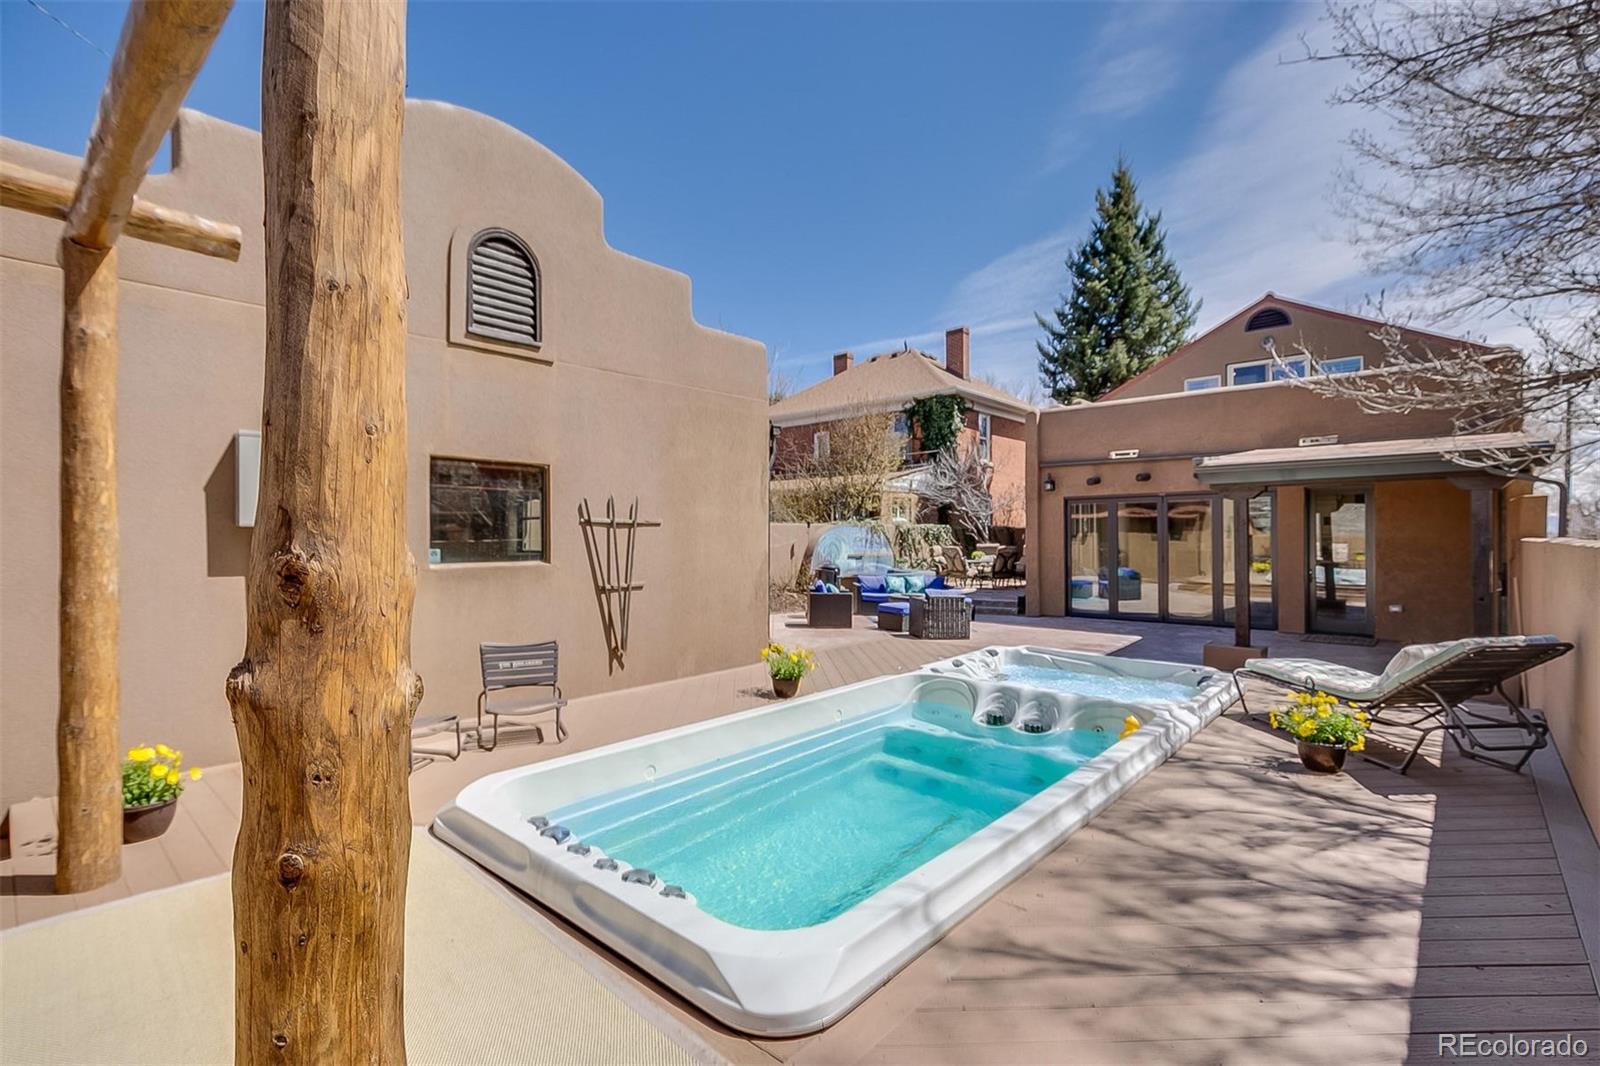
(1167, 558)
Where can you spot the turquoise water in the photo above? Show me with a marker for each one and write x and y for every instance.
(1129, 689)
(797, 833)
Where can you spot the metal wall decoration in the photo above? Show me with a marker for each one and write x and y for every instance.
(611, 566)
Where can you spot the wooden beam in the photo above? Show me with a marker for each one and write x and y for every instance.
(323, 699)
(89, 851)
(1482, 548)
(50, 196)
(1241, 570)
(163, 44)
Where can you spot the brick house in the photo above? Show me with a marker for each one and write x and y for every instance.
(995, 422)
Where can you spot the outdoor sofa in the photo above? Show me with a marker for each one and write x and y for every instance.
(1424, 689)
(873, 589)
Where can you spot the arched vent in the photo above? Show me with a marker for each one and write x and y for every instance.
(502, 288)
(1267, 318)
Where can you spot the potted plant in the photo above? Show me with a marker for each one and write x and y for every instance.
(152, 781)
(787, 668)
(1323, 729)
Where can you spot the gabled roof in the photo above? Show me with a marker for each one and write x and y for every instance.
(888, 382)
(1272, 299)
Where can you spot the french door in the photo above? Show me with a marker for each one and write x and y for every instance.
(1166, 558)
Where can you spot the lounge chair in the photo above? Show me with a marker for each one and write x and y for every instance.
(510, 667)
(1424, 689)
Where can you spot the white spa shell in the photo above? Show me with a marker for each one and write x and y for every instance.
(786, 982)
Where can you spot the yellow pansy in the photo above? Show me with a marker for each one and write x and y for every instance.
(164, 751)
(159, 770)
(1306, 728)
(194, 773)
(141, 754)
(172, 778)
(1358, 744)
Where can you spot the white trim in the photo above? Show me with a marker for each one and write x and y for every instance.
(1361, 364)
(820, 448)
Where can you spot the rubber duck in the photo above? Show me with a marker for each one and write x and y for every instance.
(1130, 726)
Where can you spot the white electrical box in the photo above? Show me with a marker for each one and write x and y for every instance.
(246, 476)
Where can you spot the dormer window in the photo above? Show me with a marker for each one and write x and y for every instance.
(1267, 318)
(503, 289)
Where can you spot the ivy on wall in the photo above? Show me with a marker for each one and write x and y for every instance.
(937, 420)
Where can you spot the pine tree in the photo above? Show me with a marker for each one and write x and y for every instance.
(1127, 305)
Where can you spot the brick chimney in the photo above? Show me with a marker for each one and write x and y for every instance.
(958, 351)
(842, 361)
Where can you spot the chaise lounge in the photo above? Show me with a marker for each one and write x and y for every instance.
(1424, 689)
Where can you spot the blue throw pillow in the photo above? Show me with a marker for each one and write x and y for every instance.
(915, 583)
(870, 582)
(896, 583)
(831, 587)
(819, 587)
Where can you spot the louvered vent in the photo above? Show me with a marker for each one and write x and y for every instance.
(1267, 318)
(502, 289)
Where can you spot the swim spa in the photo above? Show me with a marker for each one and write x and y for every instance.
(776, 866)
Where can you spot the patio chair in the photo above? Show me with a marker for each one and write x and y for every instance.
(508, 668)
(941, 617)
(1424, 689)
(830, 610)
(955, 564)
(432, 725)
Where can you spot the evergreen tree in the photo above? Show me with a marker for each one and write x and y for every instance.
(1127, 305)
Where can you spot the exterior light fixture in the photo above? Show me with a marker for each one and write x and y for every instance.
(1049, 483)
(1092, 479)
(1143, 475)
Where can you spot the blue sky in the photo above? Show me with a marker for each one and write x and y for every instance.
(850, 176)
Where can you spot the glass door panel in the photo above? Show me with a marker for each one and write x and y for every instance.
(1088, 544)
(1262, 613)
(1340, 573)
(1138, 573)
(1191, 562)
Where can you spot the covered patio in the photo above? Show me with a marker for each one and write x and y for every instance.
(1230, 907)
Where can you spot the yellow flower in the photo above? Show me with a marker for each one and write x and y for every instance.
(1323, 712)
(194, 773)
(1306, 728)
(141, 754)
(1358, 744)
(163, 750)
(1302, 698)
(1272, 719)
(158, 770)
(172, 778)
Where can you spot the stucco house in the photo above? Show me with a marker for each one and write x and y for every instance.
(531, 344)
(994, 423)
(1363, 525)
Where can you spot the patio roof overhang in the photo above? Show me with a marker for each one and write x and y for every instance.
(1493, 454)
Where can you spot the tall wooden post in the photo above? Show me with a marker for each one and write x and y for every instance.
(323, 698)
(87, 745)
(162, 48)
(1241, 568)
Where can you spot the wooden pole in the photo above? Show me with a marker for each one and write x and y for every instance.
(87, 746)
(48, 195)
(323, 699)
(162, 47)
(1241, 570)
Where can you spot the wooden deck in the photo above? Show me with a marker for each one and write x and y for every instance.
(1228, 908)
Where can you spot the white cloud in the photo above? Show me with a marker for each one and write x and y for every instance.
(1126, 83)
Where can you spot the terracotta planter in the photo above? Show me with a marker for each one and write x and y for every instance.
(784, 687)
(147, 822)
(1321, 758)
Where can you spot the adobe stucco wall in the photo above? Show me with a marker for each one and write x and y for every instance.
(628, 396)
(1556, 588)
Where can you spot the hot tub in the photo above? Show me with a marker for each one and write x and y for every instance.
(776, 866)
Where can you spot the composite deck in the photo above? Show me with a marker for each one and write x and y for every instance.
(1228, 908)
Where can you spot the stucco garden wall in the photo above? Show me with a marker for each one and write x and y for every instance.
(1556, 589)
(627, 396)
